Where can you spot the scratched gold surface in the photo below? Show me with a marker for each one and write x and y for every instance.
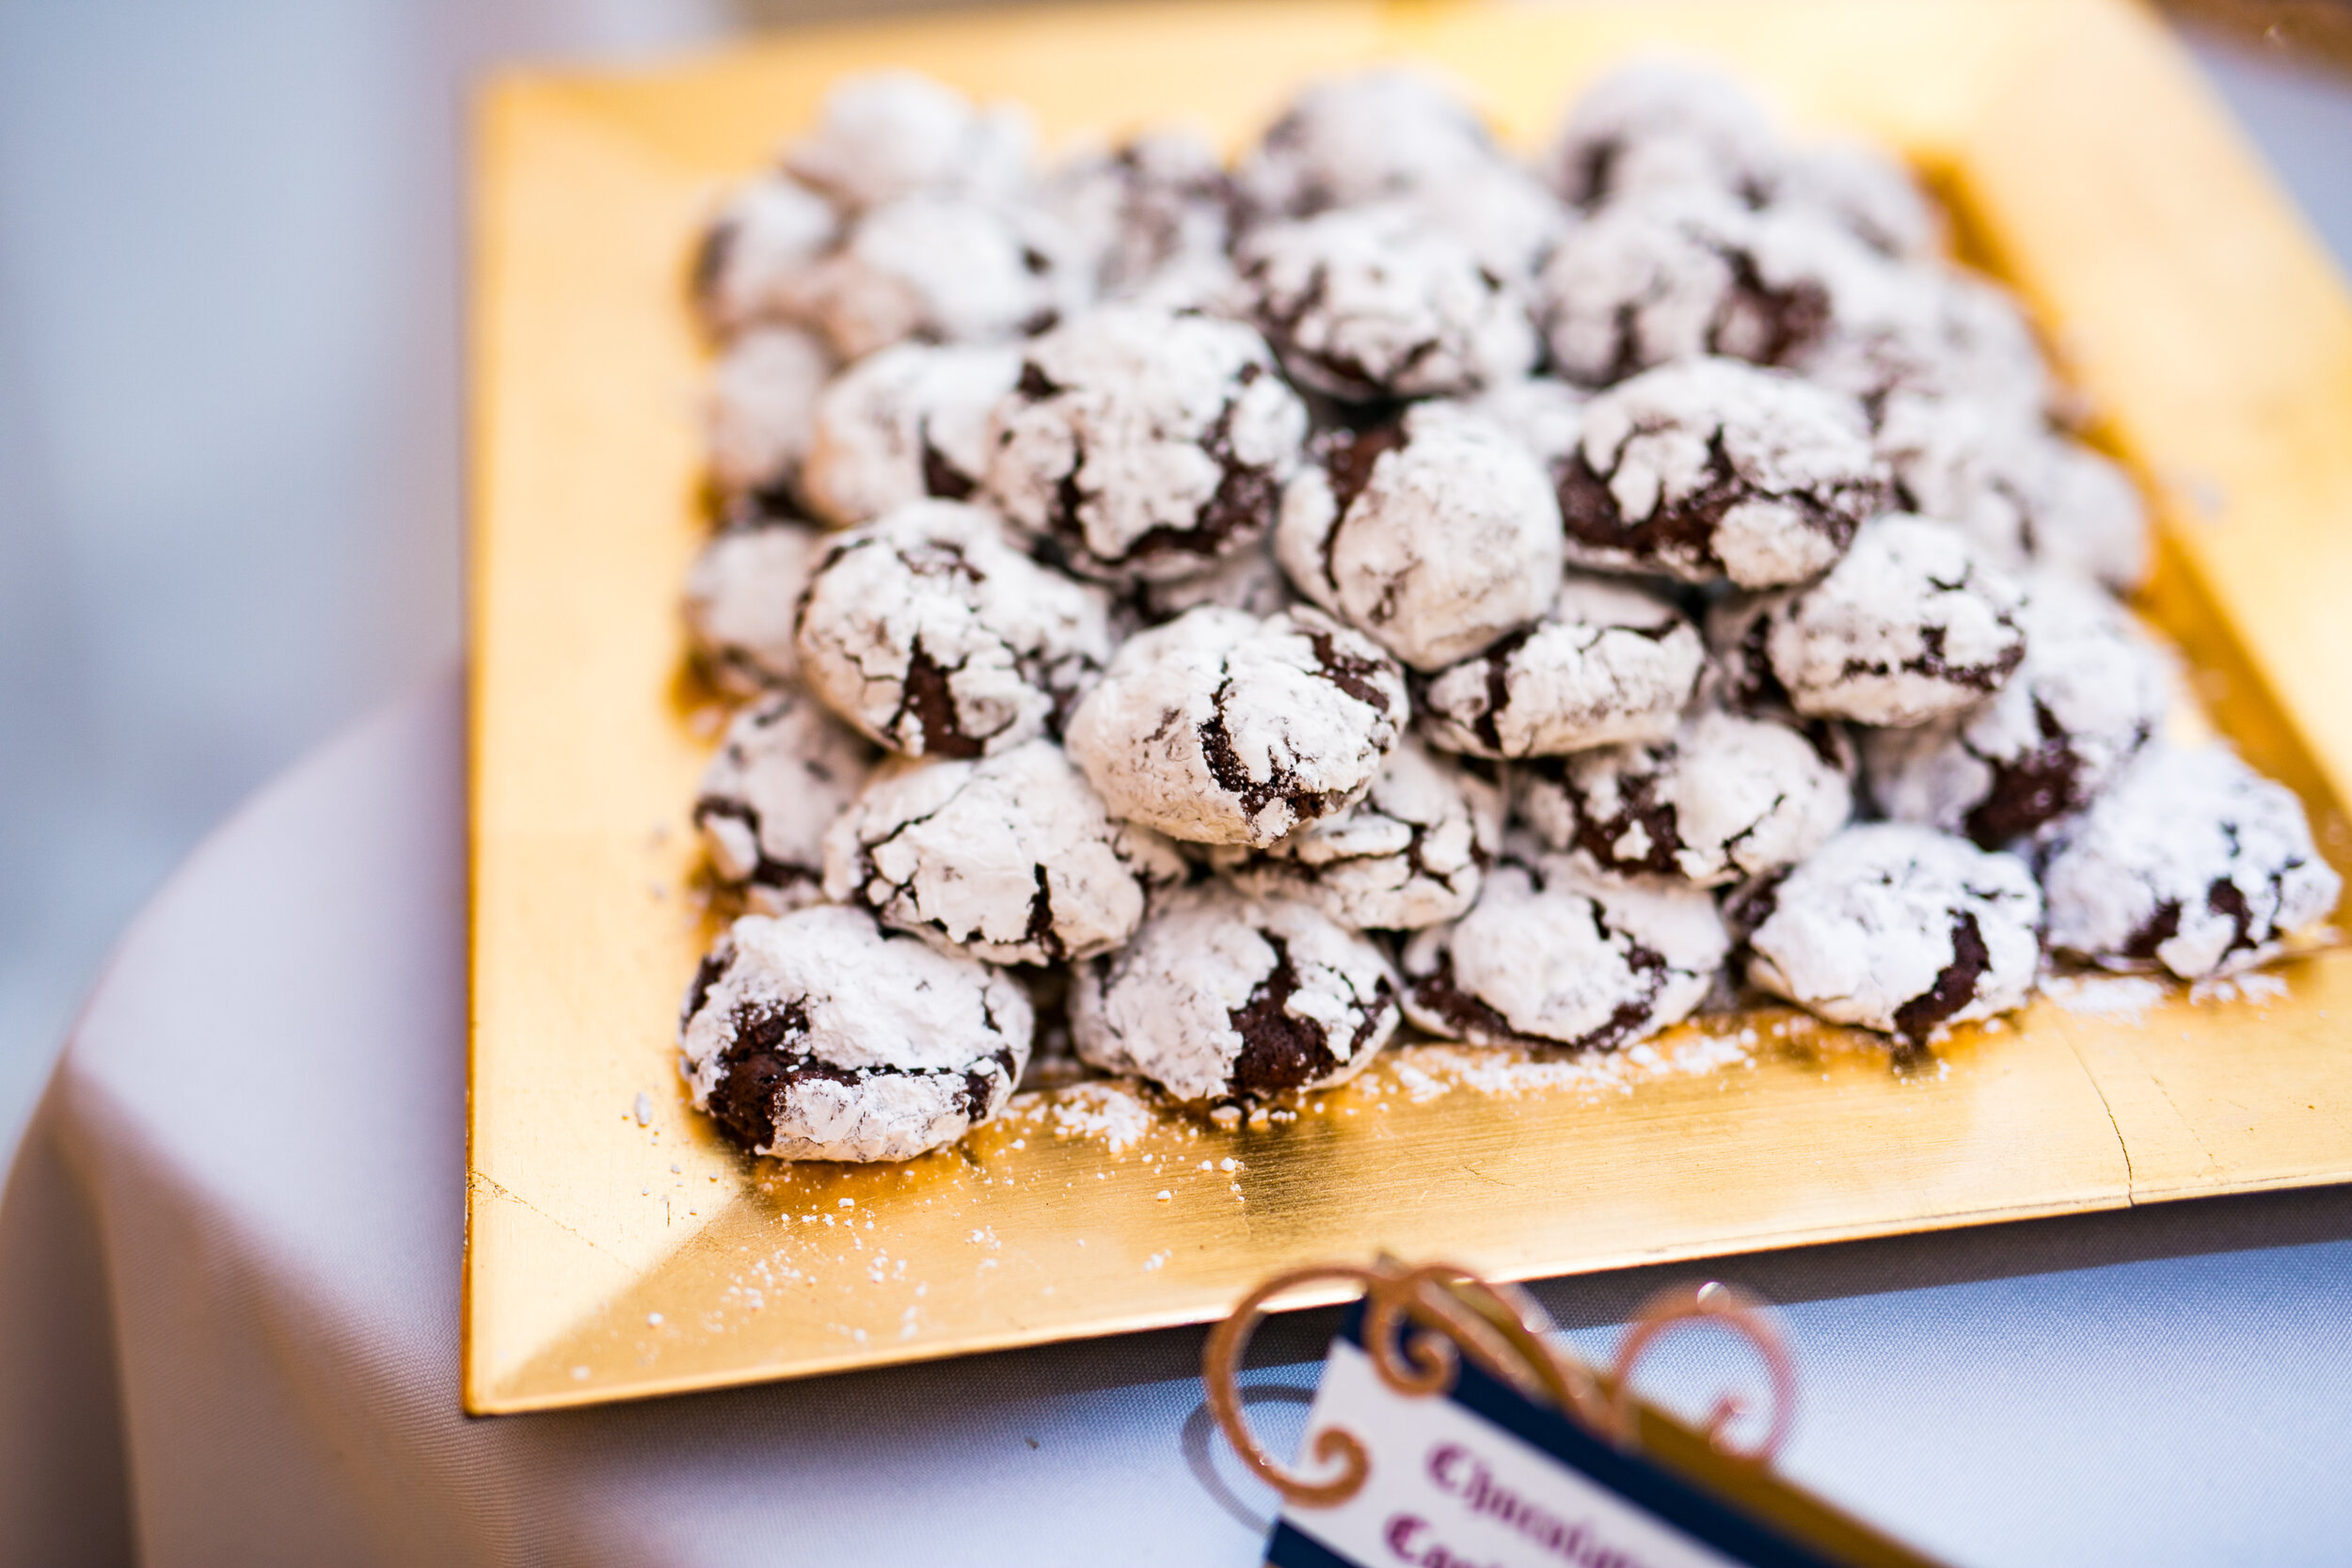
(608, 1259)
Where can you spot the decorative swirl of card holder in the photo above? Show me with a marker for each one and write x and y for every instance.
(1420, 1320)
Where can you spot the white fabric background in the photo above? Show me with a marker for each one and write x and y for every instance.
(229, 1287)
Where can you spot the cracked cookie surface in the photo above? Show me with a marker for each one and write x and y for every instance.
(1609, 662)
(940, 269)
(785, 770)
(1145, 444)
(1224, 997)
(818, 1036)
(1902, 929)
(1222, 728)
(1011, 858)
(1160, 202)
(930, 632)
(1409, 854)
(1433, 536)
(1656, 125)
(756, 411)
(901, 424)
(2192, 861)
(742, 594)
(1555, 958)
(1349, 140)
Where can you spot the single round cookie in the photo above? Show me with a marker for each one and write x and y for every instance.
(1144, 444)
(1011, 857)
(892, 134)
(1724, 797)
(742, 594)
(1368, 303)
(1911, 626)
(930, 632)
(1222, 728)
(1409, 854)
(2025, 495)
(752, 257)
(940, 269)
(1222, 997)
(1609, 662)
(1899, 929)
(907, 423)
(1709, 468)
(1350, 140)
(818, 1036)
(1685, 272)
(1159, 200)
(2191, 860)
(1555, 958)
(1433, 536)
(2090, 691)
(756, 411)
(786, 769)
(1661, 124)
(1249, 579)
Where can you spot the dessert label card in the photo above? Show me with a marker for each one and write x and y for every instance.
(1481, 1477)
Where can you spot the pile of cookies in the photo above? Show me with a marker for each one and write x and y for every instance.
(1234, 612)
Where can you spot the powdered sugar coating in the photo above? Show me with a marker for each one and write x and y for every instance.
(1433, 538)
(1931, 330)
(742, 595)
(750, 261)
(1609, 662)
(893, 134)
(755, 415)
(1373, 302)
(1724, 797)
(2021, 492)
(1159, 200)
(1661, 124)
(1011, 858)
(2092, 688)
(1709, 468)
(1350, 140)
(1900, 928)
(930, 632)
(907, 423)
(1510, 221)
(1555, 956)
(1249, 579)
(1222, 997)
(817, 1036)
(1867, 193)
(1222, 728)
(2191, 860)
(784, 772)
(1911, 626)
(938, 268)
(1687, 272)
(1409, 854)
(1145, 444)
(1542, 413)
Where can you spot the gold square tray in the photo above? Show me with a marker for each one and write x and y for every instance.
(609, 1257)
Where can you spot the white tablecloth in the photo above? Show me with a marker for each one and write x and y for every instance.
(229, 1286)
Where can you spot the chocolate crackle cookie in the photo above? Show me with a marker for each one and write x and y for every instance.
(1011, 857)
(1723, 799)
(1367, 303)
(1144, 444)
(930, 632)
(1355, 140)
(2090, 692)
(2191, 860)
(817, 1036)
(786, 769)
(940, 269)
(1708, 469)
(1409, 854)
(1930, 330)
(1222, 728)
(1249, 580)
(741, 595)
(1685, 273)
(1911, 626)
(755, 415)
(1899, 929)
(1157, 201)
(892, 134)
(907, 423)
(1223, 997)
(1555, 956)
(1608, 663)
(1433, 536)
(1864, 192)
(751, 260)
(1660, 124)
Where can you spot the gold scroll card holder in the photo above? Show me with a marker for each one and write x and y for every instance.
(1419, 1321)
